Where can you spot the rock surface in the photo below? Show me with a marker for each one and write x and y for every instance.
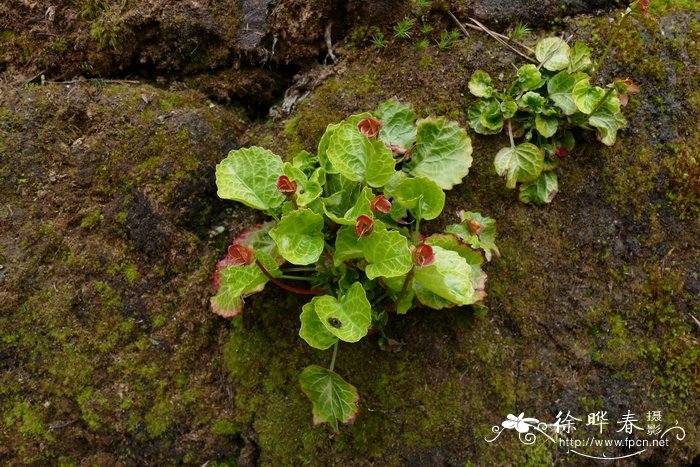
(110, 227)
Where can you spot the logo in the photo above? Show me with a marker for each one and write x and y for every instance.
(596, 437)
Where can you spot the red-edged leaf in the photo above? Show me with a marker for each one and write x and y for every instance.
(423, 255)
(364, 225)
(369, 127)
(380, 204)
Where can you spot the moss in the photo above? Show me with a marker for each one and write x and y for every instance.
(159, 418)
(91, 219)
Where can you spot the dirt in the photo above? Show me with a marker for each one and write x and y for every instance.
(110, 228)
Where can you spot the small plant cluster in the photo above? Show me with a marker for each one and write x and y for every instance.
(542, 105)
(347, 222)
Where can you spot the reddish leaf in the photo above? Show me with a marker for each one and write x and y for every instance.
(364, 225)
(286, 186)
(369, 127)
(380, 204)
(423, 255)
(240, 255)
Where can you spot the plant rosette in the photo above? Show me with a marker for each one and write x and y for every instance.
(346, 226)
(542, 106)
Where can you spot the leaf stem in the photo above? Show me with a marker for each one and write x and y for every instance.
(335, 353)
(300, 269)
(610, 43)
(286, 287)
(510, 134)
(404, 288)
(296, 278)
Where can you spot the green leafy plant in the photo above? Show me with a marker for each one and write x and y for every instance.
(520, 31)
(378, 40)
(447, 38)
(403, 29)
(347, 222)
(542, 105)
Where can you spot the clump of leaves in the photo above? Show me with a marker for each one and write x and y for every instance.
(542, 105)
(378, 40)
(520, 31)
(447, 38)
(402, 30)
(347, 222)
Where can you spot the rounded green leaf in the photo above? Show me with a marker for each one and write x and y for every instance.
(480, 84)
(608, 123)
(541, 191)
(234, 283)
(387, 253)
(560, 88)
(359, 158)
(422, 196)
(442, 152)
(474, 116)
(449, 277)
(331, 397)
(398, 124)
(529, 77)
(249, 175)
(312, 330)
(553, 52)
(491, 116)
(532, 102)
(347, 246)
(587, 97)
(580, 58)
(348, 319)
(522, 163)
(508, 109)
(299, 236)
(546, 126)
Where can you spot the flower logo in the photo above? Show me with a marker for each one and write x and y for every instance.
(521, 424)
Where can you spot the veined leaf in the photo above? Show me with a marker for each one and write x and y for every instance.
(478, 231)
(482, 106)
(359, 158)
(529, 77)
(347, 246)
(541, 191)
(508, 108)
(309, 190)
(560, 88)
(348, 319)
(523, 163)
(236, 282)
(332, 398)
(312, 329)
(587, 97)
(553, 52)
(387, 253)
(398, 124)
(428, 298)
(442, 152)
(480, 84)
(449, 277)
(607, 123)
(532, 102)
(361, 206)
(299, 236)
(491, 116)
(422, 196)
(580, 58)
(249, 175)
(475, 258)
(546, 126)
